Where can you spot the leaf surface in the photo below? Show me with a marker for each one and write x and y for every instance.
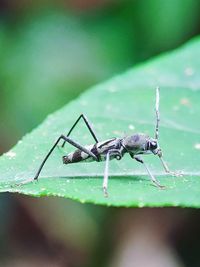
(119, 107)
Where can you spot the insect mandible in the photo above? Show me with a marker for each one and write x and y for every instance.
(115, 148)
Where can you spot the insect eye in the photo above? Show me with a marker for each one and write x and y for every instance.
(153, 145)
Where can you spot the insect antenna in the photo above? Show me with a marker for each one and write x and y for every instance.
(157, 112)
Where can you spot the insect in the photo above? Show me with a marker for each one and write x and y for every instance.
(115, 148)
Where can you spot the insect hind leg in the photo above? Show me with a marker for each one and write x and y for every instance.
(68, 140)
(87, 123)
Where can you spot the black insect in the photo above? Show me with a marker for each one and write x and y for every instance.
(115, 148)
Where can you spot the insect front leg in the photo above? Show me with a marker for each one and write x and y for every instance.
(87, 123)
(153, 179)
(166, 168)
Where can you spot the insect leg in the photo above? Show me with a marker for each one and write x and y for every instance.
(88, 124)
(118, 156)
(70, 141)
(105, 178)
(166, 168)
(66, 139)
(153, 179)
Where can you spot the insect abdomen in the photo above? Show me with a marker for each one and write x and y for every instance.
(99, 149)
(75, 156)
(78, 156)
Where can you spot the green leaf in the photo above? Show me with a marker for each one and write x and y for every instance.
(120, 106)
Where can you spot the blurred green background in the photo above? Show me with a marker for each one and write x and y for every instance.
(50, 52)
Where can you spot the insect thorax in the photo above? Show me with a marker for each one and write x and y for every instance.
(136, 143)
